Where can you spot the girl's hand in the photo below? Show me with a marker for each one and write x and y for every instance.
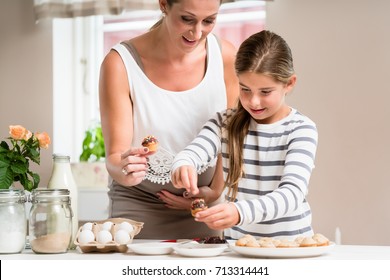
(205, 192)
(186, 177)
(219, 217)
(133, 166)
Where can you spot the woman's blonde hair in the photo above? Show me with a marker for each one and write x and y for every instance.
(263, 53)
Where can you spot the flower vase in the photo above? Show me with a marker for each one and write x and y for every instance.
(13, 221)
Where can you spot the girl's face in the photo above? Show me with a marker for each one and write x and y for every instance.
(190, 21)
(263, 97)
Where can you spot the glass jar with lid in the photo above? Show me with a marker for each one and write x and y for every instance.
(50, 221)
(13, 221)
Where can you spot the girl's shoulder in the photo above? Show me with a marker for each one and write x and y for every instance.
(300, 118)
(220, 118)
(300, 123)
(227, 113)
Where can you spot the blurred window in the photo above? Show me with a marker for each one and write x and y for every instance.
(88, 40)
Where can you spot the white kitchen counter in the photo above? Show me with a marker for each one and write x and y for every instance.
(342, 262)
(339, 252)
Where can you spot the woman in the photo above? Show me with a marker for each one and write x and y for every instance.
(167, 83)
(268, 149)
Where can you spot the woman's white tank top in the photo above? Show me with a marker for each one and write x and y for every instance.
(174, 118)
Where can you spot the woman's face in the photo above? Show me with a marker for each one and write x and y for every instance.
(264, 98)
(190, 21)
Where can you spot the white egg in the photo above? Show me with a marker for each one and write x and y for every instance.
(86, 236)
(122, 237)
(103, 237)
(126, 226)
(107, 225)
(87, 226)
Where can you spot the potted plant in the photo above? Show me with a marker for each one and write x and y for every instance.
(93, 145)
(91, 171)
(15, 159)
(22, 148)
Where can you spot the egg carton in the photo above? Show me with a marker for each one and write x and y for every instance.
(111, 246)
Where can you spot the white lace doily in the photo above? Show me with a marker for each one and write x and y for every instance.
(159, 166)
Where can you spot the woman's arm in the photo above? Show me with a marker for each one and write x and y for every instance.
(231, 80)
(117, 123)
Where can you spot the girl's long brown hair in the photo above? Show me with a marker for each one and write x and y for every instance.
(263, 53)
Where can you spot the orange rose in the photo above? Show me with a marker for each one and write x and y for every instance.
(44, 139)
(17, 132)
(28, 135)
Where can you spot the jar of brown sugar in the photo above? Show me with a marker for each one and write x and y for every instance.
(50, 221)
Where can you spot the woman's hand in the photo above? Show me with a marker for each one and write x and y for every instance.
(218, 217)
(173, 201)
(184, 202)
(132, 166)
(186, 177)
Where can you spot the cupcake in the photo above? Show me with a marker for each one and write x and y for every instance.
(150, 142)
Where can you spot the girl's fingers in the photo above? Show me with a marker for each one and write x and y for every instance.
(186, 177)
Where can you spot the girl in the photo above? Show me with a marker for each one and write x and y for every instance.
(267, 148)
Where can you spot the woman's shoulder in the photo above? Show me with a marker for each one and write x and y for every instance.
(228, 50)
(112, 61)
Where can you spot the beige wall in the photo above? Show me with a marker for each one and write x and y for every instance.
(26, 74)
(342, 58)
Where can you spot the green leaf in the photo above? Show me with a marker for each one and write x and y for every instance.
(19, 167)
(34, 155)
(93, 145)
(4, 163)
(4, 148)
(36, 180)
(6, 177)
(25, 181)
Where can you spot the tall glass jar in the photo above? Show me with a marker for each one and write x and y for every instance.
(13, 221)
(62, 178)
(50, 221)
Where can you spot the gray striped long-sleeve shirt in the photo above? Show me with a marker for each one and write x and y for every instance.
(278, 161)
